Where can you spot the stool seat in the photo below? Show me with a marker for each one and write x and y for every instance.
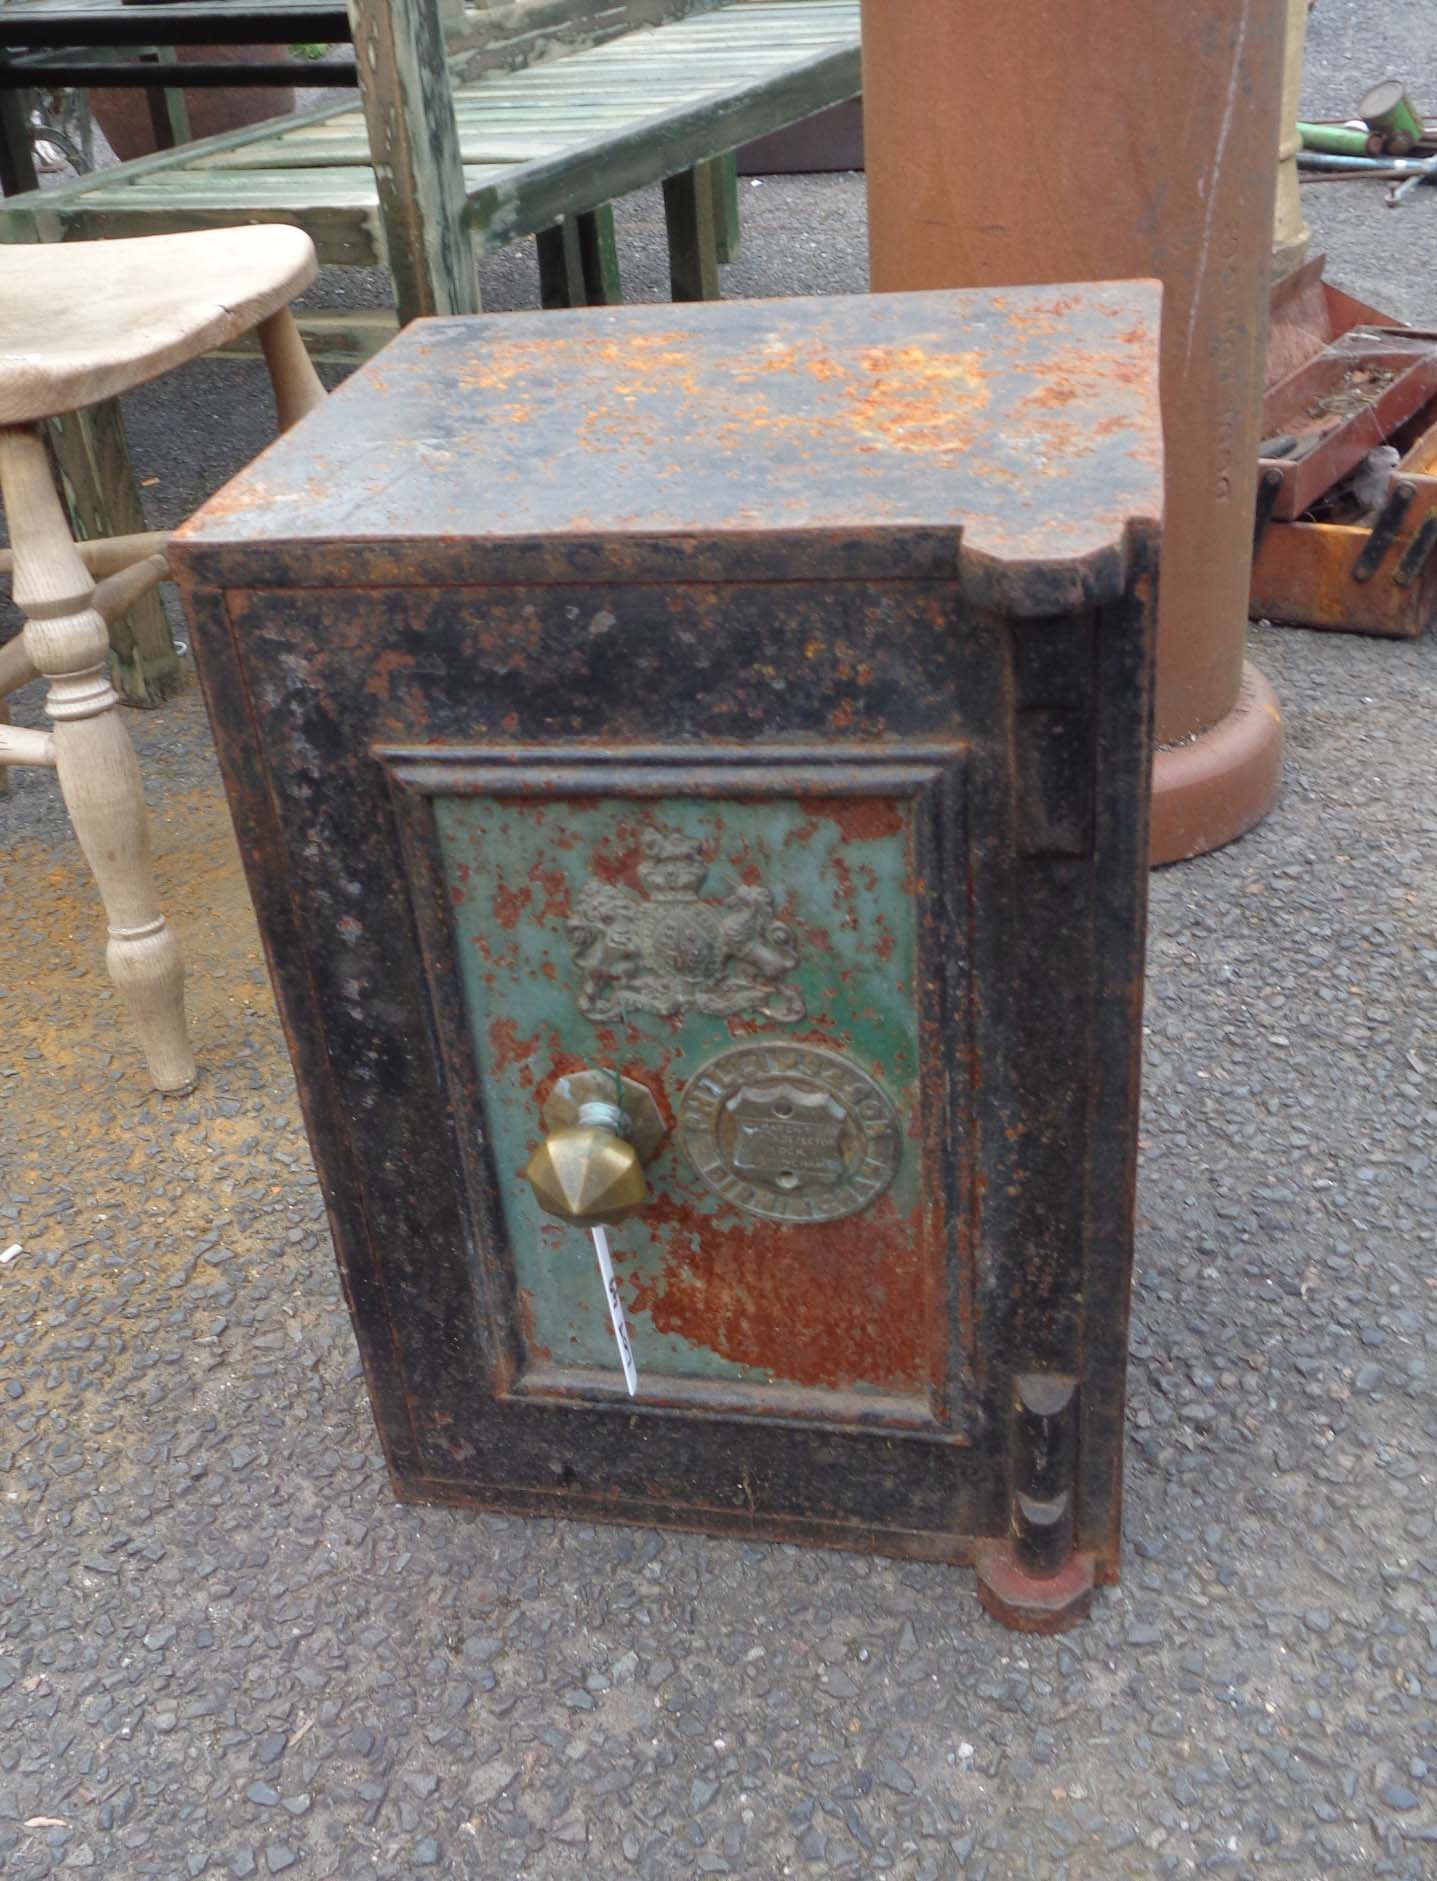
(84, 321)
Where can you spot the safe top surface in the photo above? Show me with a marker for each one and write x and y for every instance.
(1028, 420)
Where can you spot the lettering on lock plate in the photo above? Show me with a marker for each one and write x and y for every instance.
(790, 1132)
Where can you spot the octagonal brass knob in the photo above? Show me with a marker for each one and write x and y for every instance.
(589, 1168)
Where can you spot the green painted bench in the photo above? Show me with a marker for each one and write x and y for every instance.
(489, 126)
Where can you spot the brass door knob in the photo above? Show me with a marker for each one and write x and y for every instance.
(588, 1174)
(589, 1168)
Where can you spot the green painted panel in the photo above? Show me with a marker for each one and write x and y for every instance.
(713, 1290)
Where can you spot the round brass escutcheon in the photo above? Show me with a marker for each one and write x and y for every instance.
(790, 1132)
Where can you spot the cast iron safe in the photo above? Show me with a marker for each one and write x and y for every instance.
(716, 739)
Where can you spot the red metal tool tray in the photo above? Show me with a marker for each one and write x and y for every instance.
(1376, 574)
(1342, 378)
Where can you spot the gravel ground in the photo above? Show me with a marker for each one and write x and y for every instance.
(224, 1649)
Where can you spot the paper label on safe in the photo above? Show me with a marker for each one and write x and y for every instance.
(616, 1308)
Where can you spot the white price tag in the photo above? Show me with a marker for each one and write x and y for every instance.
(616, 1308)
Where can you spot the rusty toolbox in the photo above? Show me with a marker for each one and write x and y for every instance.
(1345, 379)
(692, 767)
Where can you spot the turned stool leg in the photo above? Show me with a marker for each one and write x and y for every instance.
(66, 639)
(96, 479)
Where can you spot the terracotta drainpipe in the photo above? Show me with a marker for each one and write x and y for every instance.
(1068, 140)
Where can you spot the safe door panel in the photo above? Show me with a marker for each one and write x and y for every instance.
(767, 955)
(408, 741)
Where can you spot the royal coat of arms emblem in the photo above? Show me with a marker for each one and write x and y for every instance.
(670, 951)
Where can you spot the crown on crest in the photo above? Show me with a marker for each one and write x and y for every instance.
(673, 868)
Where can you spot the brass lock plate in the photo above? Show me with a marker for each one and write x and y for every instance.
(790, 1132)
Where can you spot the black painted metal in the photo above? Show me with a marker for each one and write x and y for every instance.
(215, 23)
(156, 74)
(901, 546)
(58, 41)
(1384, 530)
(17, 153)
(1269, 485)
(1414, 556)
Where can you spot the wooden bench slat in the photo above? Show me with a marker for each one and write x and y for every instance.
(532, 195)
(549, 108)
(345, 235)
(338, 209)
(343, 186)
(622, 56)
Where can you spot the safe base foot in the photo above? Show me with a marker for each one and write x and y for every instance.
(1030, 1603)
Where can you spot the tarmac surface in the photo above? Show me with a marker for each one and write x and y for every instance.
(226, 1650)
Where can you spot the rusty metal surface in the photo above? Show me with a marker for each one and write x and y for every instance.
(853, 429)
(1338, 405)
(722, 1295)
(1335, 575)
(648, 790)
(1304, 576)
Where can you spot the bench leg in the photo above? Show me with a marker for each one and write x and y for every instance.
(722, 174)
(298, 388)
(169, 115)
(599, 252)
(92, 460)
(693, 248)
(579, 261)
(561, 266)
(17, 153)
(65, 638)
(405, 89)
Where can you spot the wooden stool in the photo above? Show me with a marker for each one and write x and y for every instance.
(85, 321)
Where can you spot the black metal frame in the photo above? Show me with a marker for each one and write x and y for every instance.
(39, 50)
(157, 74)
(186, 23)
